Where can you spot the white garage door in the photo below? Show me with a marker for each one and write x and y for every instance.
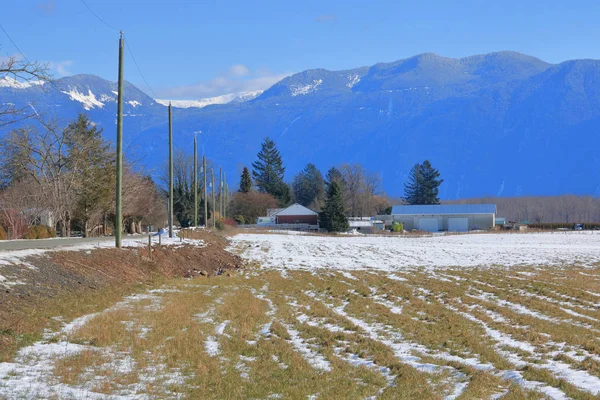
(458, 224)
(428, 224)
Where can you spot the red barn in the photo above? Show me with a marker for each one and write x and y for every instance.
(296, 214)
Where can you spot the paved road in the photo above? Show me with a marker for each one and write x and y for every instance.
(57, 242)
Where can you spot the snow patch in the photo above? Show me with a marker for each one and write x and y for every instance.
(13, 83)
(89, 100)
(239, 97)
(297, 90)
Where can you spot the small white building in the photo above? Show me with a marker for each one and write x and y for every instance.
(443, 217)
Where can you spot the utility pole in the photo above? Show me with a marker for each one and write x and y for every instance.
(195, 183)
(205, 199)
(119, 184)
(225, 193)
(213, 196)
(170, 172)
(220, 192)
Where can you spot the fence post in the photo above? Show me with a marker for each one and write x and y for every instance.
(159, 240)
(150, 246)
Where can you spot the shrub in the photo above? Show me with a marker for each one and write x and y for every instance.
(239, 219)
(229, 221)
(397, 226)
(2, 233)
(219, 224)
(40, 232)
(564, 225)
(252, 205)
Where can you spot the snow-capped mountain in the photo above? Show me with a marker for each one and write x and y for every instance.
(495, 124)
(239, 97)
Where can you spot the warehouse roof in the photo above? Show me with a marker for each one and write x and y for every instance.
(445, 209)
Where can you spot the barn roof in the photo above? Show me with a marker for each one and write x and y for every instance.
(296, 209)
(445, 209)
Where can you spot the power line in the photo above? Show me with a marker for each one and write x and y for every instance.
(13, 43)
(126, 43)
(98, 17)
(48, 79)
(139, 70)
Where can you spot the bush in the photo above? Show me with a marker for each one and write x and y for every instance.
(40, 232)
(239, 219)
(564, 225)
(219, 224)
(252, 205)
(230, 222)
(2, 233)
(397, 226)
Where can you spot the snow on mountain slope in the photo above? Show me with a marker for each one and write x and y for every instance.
(296, 90)
(353, 80)
(9, 82)
(89, 100)
(223, 99)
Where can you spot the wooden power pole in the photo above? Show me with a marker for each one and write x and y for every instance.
(225, 194)
(119, 172)
(205, 199)
(213, 196)
(195, 183)
(220, 192)
(170, 172)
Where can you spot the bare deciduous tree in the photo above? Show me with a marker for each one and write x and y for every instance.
(19, 73)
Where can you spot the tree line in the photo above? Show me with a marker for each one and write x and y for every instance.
(64, 176)
(356, 192)
(568, 209)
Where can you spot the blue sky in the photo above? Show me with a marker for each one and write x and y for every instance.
(194, 49)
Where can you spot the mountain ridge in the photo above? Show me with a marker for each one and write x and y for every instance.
(501, 123)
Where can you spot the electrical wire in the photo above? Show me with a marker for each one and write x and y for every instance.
(98, 17)
(49, 80)
(13, 43)
(139, 70)
(128, 47)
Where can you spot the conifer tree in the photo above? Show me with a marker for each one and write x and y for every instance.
(334, 175)
(309, 187)
(423, 185)
(268, 173)
(333, 217)
(245, 181)
(91, 161)
(431, 183)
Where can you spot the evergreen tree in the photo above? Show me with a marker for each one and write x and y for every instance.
(309, 187)
(413, 190)
(333, 217)
(91, 161)
(334, 175)
(423, 185)
(245, 181)
(268, 172)
(431, 183)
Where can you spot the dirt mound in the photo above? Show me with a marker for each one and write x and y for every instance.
(71, 274)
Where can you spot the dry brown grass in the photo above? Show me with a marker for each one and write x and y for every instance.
(166, 335)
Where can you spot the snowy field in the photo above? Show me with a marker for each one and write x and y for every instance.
(344, 318)
(397, 253)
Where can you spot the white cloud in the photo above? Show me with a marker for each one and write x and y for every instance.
(238, 78)
(239, 70)
(61, 68)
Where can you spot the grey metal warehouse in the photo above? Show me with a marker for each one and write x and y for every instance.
(445, 217)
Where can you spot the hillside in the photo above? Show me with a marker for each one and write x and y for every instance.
(496, 124)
